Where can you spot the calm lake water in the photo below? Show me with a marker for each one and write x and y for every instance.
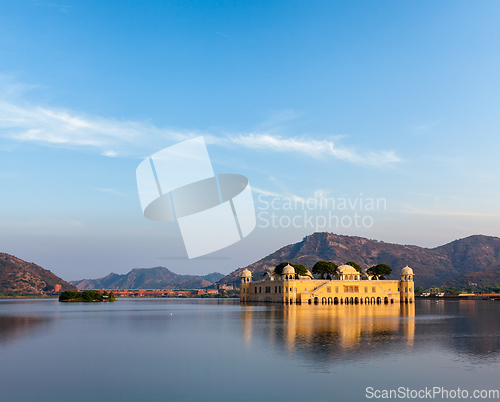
(219, 350)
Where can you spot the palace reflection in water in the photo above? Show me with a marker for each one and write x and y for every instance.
(469, 328)
(331, 330)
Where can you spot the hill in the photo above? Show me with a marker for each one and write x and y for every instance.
(487, 279)
(21, 278)
(432, 266)
(149, 278)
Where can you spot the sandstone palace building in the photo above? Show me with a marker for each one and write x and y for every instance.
(348, 287)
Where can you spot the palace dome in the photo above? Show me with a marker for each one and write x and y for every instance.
(347, 270)
(407, 271)
(246, 273)
(288, 270)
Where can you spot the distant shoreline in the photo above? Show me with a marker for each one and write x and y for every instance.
(486, 297)
(125, 297)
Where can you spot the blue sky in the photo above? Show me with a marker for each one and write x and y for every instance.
(361, 99)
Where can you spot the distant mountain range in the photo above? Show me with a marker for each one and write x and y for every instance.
(474, 258)
(21, 278)
(149, 278)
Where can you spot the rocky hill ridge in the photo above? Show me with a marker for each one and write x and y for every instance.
(432, 266)
(22, 278)
(149, 278)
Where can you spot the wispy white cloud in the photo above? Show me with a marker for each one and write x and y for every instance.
(23, 122)
(277, 198)
(441, 212)
(265, 192)
(434, 196)
(320, 195)
(308, 146)
(62, 127)
(111, 154)
(277, 119)
(112, 191)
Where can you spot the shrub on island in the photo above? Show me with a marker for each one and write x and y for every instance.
(86, 296)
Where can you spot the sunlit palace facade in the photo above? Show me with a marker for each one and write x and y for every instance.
(348, 287)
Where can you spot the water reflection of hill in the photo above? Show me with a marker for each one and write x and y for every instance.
(330, 332)
(14, 327)
(466, 326)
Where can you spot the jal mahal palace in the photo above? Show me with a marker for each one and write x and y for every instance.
(347, 287)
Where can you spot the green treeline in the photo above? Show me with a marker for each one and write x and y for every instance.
(86, 296)
(299, 268)
(326, 268)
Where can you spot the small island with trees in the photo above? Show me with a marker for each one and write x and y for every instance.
(86, 296)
